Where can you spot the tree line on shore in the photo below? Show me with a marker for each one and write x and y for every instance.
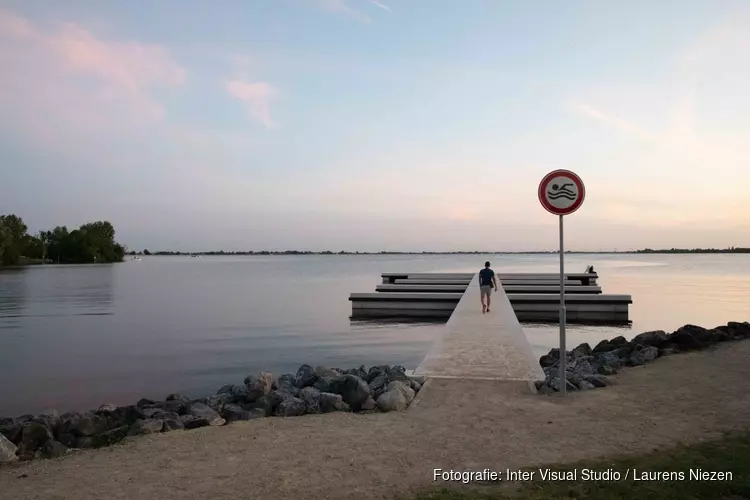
(91, 242)
(474, 252)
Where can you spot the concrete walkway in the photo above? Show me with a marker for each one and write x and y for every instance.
(488, 346)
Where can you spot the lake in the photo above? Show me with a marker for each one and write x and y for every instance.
(74, 337)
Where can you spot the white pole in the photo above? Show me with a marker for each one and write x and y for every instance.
(563, 357)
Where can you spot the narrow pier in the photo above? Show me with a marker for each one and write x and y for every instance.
(489, 346)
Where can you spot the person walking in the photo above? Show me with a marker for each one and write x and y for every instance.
(487, 280)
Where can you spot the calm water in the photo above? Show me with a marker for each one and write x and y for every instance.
(73, 337)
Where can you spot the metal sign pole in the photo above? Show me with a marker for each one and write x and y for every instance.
(563, 356)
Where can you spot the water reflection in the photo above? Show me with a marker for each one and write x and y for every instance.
(13, 289)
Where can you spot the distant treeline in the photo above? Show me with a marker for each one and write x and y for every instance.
(92, 242)
(474, 252)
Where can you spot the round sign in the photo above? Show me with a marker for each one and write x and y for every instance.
(561, 192)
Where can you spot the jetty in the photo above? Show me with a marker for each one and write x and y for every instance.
(532, 297)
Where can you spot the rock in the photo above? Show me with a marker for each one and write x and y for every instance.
(353, 390)
(25, 418)
(330, 402)
(398, 373)
(205, 412)
(668, 351)
(583, 367)
(311, 397)
(584, 385)
(609, 359)
(268, 403)
(68, 440)
(656, 338)
(11, 429)
(225, 389)
(596, 380)
(394, 400)
(322, 371)
(292, 407)
(258, 386)
(110, 437)
(193, 422)
(305, 376)
(326, 384)
(216, 402)
(172, 424)
(34, 435)
(582, 350)
(160, 405)
(54, 449)
(619, 341)
(124, 415)
(147, 426)
(606, 370)
(554, 383)
(50, 418)
(178, 397)
(286, 382)
(145, 402)
(416, 386)
(358, 372)
(604, 346)
(405, 389)
(176, 406)
(370, 404)
(154, 413)
(233, 413)
(713, 336)
(379, 384)
(7, 450)
(240, 393)
(84, 443)
(623, 352)
(106, 409)
(684, 339)
(642, 355)
(737, 329)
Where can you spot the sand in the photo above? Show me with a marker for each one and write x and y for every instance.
(459, 425)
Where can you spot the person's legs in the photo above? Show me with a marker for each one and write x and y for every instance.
(483, 291)
(489, 298)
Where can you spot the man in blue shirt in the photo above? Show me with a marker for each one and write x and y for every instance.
(486, 281)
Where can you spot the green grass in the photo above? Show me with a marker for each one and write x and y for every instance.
(729, 454)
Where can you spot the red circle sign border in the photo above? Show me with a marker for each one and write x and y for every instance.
(561, 211)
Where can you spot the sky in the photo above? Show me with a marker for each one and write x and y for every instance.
(401, 125)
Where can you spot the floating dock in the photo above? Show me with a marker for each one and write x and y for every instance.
(533, 297)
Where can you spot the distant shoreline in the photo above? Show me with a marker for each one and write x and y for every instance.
(303, 252)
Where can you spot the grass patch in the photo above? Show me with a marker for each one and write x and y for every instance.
(731, 454)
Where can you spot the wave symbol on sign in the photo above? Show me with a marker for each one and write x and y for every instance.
(561, 192)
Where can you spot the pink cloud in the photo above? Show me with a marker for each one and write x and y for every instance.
(257, 97)
(62, 84)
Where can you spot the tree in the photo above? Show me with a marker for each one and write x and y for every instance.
(12, 239)
(146, 252)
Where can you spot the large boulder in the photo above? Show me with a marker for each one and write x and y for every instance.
(50, 418)
(608, 362)
(394, 400)
(109, 437)
(604, 346)
(305, 376)
(353, 390)
(268, 403)
(217, 401)
(7, 450)
(292, 407)
(582, 350)
(330, 402)
(206, 413)
(405, 389)
(737, 329)
(86, 425)
(11, 429)
(322, 371)
(379, 384)
(147, 426)
(34, 435)
(656, 338)
(326, 384)
(684, 338)
(258, 386)
(172, 424)
(117, 416)
(286, 383)
(642, 354)
(311, 397)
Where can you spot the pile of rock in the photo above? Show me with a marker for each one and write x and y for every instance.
(309, 391)
(587, 368)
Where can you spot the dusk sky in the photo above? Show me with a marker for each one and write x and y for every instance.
(364, 125)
